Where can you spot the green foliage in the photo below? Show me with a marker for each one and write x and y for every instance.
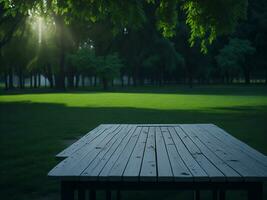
(180, 61)
(163, 55)
(233, 56)
(167, 17)
(206, 19)
(84, 59)
(8, 25)
(209, 18)
(108, 66)
(14, 56)
(147, 55)
(168, 54)
(151, 61)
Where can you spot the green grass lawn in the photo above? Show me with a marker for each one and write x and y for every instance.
(36, 125)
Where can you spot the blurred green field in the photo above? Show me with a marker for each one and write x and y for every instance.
(34, 126)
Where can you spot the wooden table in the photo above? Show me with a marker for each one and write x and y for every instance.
(157, 157)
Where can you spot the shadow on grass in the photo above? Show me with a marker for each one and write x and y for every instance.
(245, 109)
(32, 133)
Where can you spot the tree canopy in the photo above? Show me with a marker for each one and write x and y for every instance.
(70, 42)
(206, 19)
(232, 58)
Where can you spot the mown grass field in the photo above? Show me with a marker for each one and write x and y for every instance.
(34, 126)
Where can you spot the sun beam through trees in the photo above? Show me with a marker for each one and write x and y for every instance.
(154, 41)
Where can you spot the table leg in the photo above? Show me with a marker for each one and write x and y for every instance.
(215, 194)
(67, 190)
(255, 191)
(81, 194)
(108, 195)
(222, 195)
(118, 195)
(197, 195)
(92, 195)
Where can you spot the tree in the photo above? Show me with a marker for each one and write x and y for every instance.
(85, 61)
(161, 60)
(232, 58)
(108, 67)
(254, 29)
(15, 59)
(206, 19)
(12, 16)
(142, 32)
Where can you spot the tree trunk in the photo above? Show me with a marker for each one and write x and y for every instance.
(21, 86)
(227, 78)
(247, 79)
(142, 81)
(161, 75)
(35, 80)
(91, 81)
(83, 81)
(6, 80)
(231, 79)
(129, 81)
(45, 84)
(10, 76)
(134, 81)
(154, 80)
(247, 75)
(71, 80)
(95, 82)
(39, 80)
(191, 82)
(190, 76)
(50, 79)
(77, 80)
(122, 81)
(61, 75)
(50, 75)
(105, 83)
(31, 81)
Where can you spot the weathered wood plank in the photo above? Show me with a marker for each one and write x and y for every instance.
(160, 152)
(241, 163)
(93, 170)
(133, 166)
(123, 147)
(163, 162)
(212, 171)
(227, 170)
(89, 137)
(65, 167)
(99, 151)
(116, 172)
(198, 173)
(148, 168)
(223, 135)
(179, 169)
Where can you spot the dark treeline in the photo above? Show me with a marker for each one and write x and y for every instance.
(75, 53)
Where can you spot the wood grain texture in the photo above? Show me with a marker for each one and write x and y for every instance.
(89, 137)
(160, 152)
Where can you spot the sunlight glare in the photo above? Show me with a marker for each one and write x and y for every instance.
(40, 25)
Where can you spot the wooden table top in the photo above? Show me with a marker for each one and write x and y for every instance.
(160, 152)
